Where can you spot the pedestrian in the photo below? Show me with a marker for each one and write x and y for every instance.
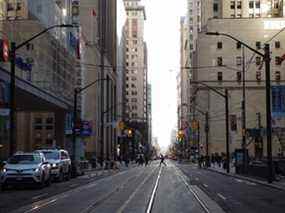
(162, 160)
(146, 160)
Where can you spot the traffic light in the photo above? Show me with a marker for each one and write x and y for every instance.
(4, 48)
(130, 133)
(180, 135)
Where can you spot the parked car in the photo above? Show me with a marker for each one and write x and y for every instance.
(26, 168)
(60, 163)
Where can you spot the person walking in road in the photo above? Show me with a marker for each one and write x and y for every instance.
(162, 160)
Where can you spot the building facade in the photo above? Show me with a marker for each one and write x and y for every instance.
(218, 62)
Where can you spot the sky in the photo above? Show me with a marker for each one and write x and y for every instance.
(162, 34)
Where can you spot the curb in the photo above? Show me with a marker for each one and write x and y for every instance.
(248, 179)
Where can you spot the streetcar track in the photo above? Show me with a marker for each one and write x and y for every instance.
(194, 193)
(105, 197)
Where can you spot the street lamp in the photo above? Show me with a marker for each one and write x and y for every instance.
(226, 97)
(266, 58)
(13, 50)
(76, 92)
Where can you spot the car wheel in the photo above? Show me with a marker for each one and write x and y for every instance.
(61, 176)
(42, 182)
(68, 175)
(48, 182)
(4, 187)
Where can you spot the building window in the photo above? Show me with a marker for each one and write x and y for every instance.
(220, 61)
(239, 76)
(257, 15)
(49, 127)
(133, 86)
(216, 7)
(238, 60)
(220, 45)
(19, 5)
(127, 78)
(38, 120)
(134, 78)
(251, 15)
(238, 45)
(258, 45)
(233, 4)
(239, 3)
(220, 76)
(277, 76)
(127, 85)
(257, 60)
(251, 4)
(233, 16)
(238, 15)
(49, 120)
(277, 44)
(278, 60)
(257, 4)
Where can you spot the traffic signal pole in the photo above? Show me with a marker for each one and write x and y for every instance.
(12, 99)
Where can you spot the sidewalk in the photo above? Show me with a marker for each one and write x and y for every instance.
(96, 172)
(276, 184)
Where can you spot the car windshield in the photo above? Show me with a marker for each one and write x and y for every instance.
(49, 155)
(24, 159)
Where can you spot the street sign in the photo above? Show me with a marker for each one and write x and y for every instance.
(4, 112)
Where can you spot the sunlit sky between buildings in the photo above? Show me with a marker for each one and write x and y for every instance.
(162, 34)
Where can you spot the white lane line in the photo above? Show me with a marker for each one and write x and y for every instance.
(250, 183)
(205, 185)
(221, 196)
(39, 196)
(36, 207)
(150, 204)
(238, 180)
(73, 185)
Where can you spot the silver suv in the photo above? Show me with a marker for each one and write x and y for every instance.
(60, 163)
(26, 168)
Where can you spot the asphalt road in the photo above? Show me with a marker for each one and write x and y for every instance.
(235, 195)
(136, 190)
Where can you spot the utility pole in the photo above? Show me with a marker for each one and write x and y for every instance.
(207, 137)
(268, 112)
(102, 50)
(244, 159)
(227, 130)
(12, 99)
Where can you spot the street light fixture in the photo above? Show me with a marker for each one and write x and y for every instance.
(226, 97)
(13, 50)
(266, 58)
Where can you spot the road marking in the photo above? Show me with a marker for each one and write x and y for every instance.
(36, 207)
(122, 208)
(202, 204)
(39, 196)
(239, 180)
(221, 196)
(250, 183)
(205, 185)
(150, 204)
(73, 185)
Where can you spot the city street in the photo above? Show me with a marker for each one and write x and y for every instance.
(138, 189)
(234, 194)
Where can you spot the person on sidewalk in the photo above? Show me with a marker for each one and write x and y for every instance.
(162, 160)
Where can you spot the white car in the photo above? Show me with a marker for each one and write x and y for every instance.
(60, 163)
(26, 168)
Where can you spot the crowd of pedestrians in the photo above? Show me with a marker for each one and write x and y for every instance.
(215, 160)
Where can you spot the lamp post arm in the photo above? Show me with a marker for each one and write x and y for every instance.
(42, 32)
(244, 44)
(79, 90)
(210, 88)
